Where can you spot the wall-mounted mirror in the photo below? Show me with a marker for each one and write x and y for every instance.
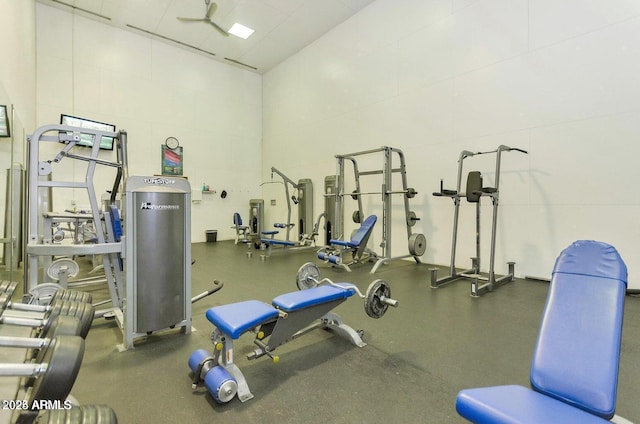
(11, 187)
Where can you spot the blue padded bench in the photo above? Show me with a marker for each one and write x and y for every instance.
(360, 235)
(574, 371)
(276, 241)
(236, 318)
(294, 301)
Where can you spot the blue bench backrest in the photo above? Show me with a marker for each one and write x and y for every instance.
(578, 349)
(237, 219)
(364, 231)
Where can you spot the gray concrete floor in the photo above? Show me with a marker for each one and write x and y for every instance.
(418, 356)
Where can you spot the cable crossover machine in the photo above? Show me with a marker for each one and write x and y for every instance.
(416, 241)
(475, 190)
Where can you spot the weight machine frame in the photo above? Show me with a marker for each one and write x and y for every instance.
(491, 282)
(39, 247)
(416, 241)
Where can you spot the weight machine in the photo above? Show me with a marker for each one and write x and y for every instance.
(304, 202)
(40, 248)
(416, 241)
(475, 190)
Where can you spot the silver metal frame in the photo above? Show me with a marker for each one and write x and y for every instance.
(166, 184)
(386, 192)
(490, 281)
(39, 247)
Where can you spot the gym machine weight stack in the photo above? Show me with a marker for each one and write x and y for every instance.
(158, 256)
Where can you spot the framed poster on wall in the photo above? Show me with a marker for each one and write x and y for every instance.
(5, 131)
(172, 161)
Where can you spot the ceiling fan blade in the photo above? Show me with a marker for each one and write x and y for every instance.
(190, 19)
(212, 9)
(220, 30)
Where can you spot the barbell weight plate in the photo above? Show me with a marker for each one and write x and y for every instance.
(354, 194)
(417, 244)
(307, 276)
(43, 293)
(63, 358)
(356, 216)
(373, 305)
(411, 218)
(411, 193)
(72, 268)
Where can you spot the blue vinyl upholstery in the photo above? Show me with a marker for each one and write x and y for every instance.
(575, 362)
(236, 318)
(360, 235)
(293, 301)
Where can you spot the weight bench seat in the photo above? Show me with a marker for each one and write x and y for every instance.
(236, 318)
(361, 235)
(518, 404)
(275, 241)
(574, 370)
(294, 301)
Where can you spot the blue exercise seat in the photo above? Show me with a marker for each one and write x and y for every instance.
(357, 246)
(574, 371)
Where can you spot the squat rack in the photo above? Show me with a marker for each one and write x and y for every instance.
(416, 241)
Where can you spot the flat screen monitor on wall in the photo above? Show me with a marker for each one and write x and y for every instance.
(86, 140)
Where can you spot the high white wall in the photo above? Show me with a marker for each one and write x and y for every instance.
(434, 77)
(153, 91)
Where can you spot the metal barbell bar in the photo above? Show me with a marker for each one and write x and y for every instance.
(376, 300)
(409, 192)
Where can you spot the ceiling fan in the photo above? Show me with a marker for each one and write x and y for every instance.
(211, 9)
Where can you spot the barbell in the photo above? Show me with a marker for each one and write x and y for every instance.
(409, 192)
(377, 298)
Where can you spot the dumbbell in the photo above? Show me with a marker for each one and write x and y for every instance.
(9, 287)
(83, 311)
(101, 414)
(61, 326)
(53, 378)
(222, 386)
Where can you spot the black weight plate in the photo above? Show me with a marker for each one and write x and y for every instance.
(373, 306)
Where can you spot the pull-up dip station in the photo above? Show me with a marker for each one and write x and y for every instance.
(416, 242)
(475, 190)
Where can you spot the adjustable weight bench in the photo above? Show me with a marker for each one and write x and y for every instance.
(241, 230)
(357, 246)
(290, 316)
(574, 371)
